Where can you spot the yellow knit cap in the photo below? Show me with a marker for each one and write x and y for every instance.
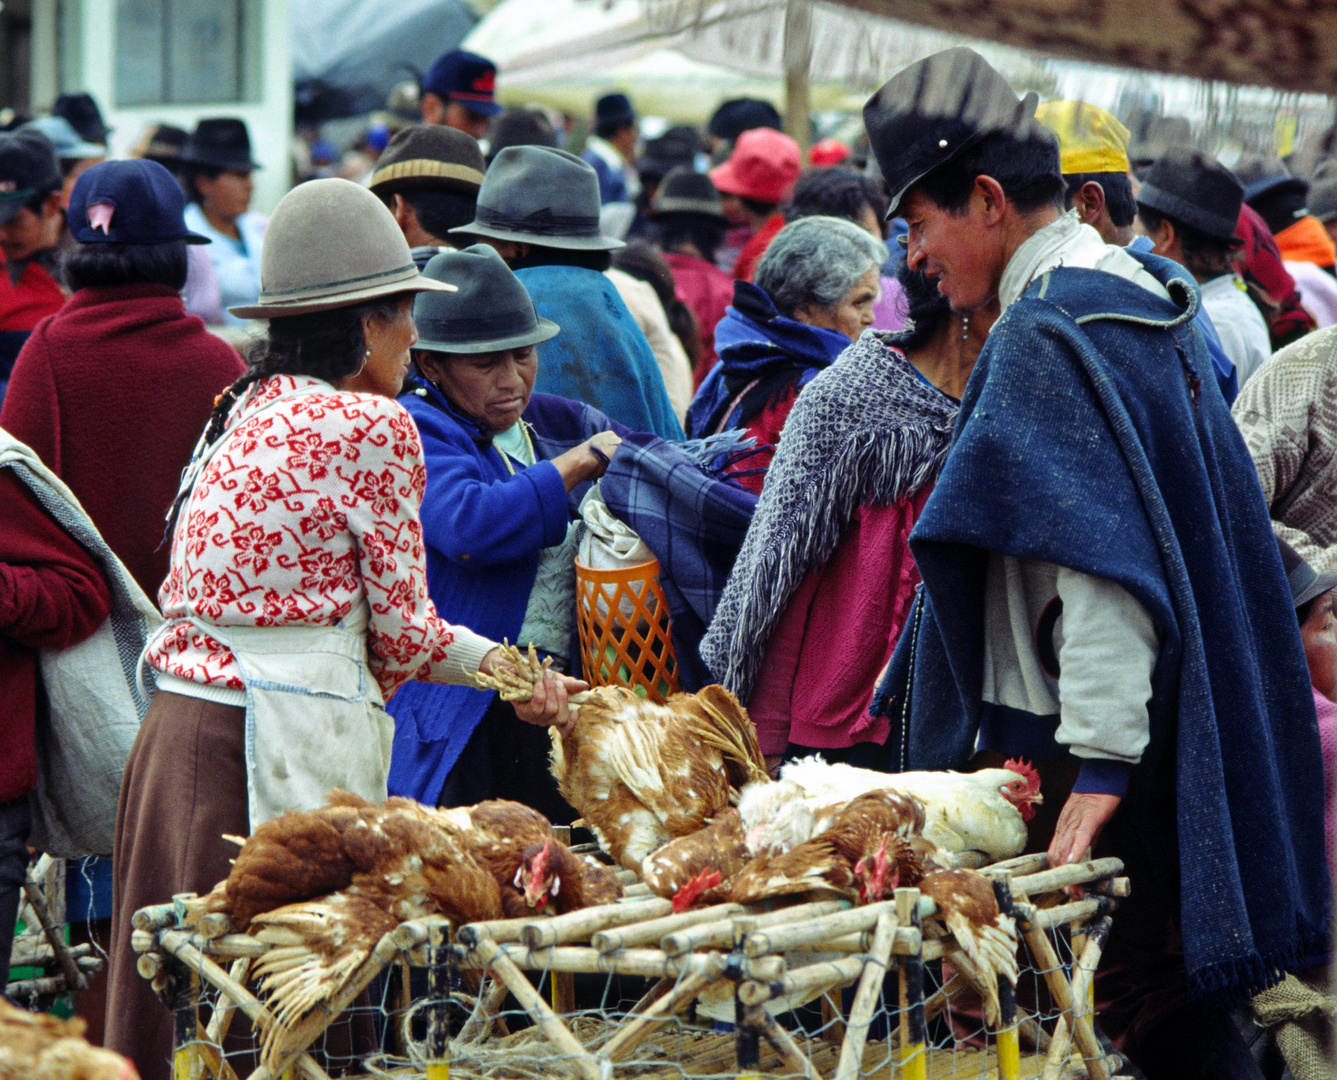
(1090, 140)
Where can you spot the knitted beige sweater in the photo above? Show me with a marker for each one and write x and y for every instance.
(1288, 415)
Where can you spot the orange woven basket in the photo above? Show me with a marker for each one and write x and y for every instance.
(625, 631)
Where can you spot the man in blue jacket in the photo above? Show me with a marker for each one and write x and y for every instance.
(1101, 587)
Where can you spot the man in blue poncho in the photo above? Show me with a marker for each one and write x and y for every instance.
(539, 207)
(1102, 591)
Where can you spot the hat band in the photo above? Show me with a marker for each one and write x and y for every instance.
(520, 321)
(427, 169)
(324, 288)
(1215, 225)
(540, 223)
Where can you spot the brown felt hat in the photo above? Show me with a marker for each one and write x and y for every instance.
(429, 156)
(330, 244)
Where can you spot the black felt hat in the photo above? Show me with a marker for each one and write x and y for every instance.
(1194, 188)
(29, 169)
(540, 195)
(738, 115)
(84, 116)
(939, 107)
(677, 146)
(686, 191)
(1305, 582)
(614, 108)
(220, 142)
(491, 311)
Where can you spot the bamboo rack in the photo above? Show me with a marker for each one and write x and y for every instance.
(763, 961)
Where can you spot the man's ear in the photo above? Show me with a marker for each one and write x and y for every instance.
(433, 109)
(1090, 202)
(992, 201)
(402, 210)
(51, 206)
(1164, 237)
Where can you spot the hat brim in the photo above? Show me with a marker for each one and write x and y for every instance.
(92, 236)
(1275, 184)
(545, 331)
(331, 301)
(726, 182)
(482, 108)
(1165, 202)
(567, 243)
(227, 165)
(672, 204)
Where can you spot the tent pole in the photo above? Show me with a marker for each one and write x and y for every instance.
(798, 62)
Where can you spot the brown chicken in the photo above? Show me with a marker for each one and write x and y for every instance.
(641, 774)
(35, 1046)
(968, 908)
(692, 868)
(865, 852)
(536, 873)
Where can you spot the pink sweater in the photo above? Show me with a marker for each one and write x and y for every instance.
(836, 635)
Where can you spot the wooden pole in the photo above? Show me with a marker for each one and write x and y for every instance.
(485, 1012)
(914, 1054)
(635, 1030)
(1052, 968)
(798, 64)
(1083, 984)
(437, 1066)
(653, 931)
(532, 1002)
(866, 997)
(1006, 1036)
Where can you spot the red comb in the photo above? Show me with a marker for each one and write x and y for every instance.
(1026, 769)
(691, 890)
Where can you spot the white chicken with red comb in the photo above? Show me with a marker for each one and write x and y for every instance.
(984, 811)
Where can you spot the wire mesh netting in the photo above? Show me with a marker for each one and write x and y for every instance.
(816, 988)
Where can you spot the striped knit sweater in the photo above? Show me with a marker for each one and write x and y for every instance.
(1288, 416)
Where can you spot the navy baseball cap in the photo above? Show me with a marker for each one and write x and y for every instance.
(465, 77)
(129, 202)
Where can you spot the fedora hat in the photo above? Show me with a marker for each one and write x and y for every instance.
(429, 156)
(1195, 189)
(686, 191)
(937, 108)
(490, 312)
(221, 142)
(331, 243)
(540, 195)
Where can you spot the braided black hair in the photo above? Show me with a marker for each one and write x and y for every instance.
(325, 345)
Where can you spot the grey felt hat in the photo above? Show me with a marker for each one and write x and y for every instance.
(490, 312)
(332, 243)
(939, 107)
(1323, 191)
(540, 195)
(1194, 188)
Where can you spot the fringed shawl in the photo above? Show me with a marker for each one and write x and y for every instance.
(869, 429)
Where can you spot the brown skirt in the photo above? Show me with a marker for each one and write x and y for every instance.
(184, 787)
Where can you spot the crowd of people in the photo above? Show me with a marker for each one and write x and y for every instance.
(971, 443)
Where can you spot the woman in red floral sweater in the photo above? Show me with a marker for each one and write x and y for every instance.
(296, 602)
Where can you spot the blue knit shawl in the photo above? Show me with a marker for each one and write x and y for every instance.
(601, 357)
(1093, 435)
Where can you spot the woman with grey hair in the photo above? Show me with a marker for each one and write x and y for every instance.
(814, 294)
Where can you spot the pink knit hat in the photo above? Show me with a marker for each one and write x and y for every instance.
(763, 166)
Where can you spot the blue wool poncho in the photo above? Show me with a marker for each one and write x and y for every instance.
(1092, 435)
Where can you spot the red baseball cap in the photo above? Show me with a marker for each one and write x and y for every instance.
(763, 166)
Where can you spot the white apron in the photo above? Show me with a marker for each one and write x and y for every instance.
(315, 718)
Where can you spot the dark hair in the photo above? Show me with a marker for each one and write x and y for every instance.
(764, 209)
(1118, 188)
(642, 261)
(835, 192)
(1204, 256)
(552, 256)
(190, 173)
(440, 211)
(1026, 169)
(325, 345)
(606, 129)
(703, 232)
(107, 265)
(928, 308)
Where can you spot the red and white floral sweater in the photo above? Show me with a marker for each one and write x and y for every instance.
(308, 507)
